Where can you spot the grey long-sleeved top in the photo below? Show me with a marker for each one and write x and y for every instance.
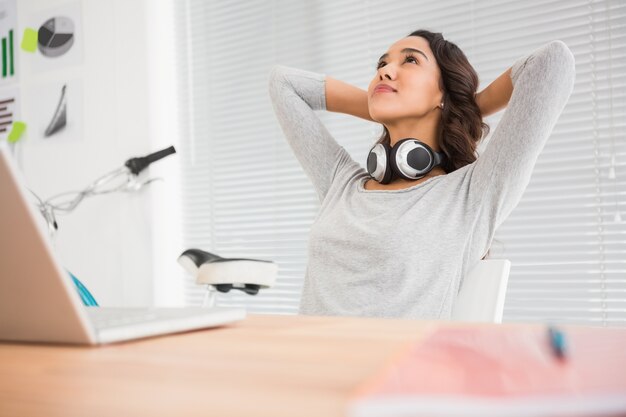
(404, 253)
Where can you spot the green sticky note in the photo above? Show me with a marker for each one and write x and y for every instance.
(29, 40)
(17, 131)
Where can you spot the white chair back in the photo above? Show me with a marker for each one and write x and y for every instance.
(481, 297)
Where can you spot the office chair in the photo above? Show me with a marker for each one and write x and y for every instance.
(481, 297)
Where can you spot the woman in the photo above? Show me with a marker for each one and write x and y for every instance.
(397, 240)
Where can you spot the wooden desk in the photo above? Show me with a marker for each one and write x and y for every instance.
(266, 365)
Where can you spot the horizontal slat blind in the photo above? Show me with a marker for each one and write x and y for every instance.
(245, 194)
(567, 237)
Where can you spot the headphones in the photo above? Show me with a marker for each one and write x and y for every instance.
(409, 158)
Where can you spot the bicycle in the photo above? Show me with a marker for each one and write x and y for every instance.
(123, 179)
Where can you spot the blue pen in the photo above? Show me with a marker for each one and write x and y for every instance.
(557, 342)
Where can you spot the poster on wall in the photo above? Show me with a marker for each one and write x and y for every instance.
(9, 110)
(59, 38)
(12, 128)
(8, 41)
(54, 110)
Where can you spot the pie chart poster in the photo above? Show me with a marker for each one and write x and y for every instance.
(60, 40)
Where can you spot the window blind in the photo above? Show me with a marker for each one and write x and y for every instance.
(244, 194)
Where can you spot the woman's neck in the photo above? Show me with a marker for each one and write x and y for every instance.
(425, 129)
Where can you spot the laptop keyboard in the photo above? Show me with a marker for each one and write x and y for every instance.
(105, 317)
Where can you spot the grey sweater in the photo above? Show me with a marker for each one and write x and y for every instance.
(404, 253)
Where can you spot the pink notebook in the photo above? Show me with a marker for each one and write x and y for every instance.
(501, 371)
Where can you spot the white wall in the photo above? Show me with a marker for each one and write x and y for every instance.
(164, 130)
(107, 242)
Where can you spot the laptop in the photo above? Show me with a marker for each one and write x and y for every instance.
(38, 300)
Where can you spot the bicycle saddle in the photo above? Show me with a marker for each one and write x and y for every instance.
(247, 275)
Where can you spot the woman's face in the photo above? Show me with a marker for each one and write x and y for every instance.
(415, 77)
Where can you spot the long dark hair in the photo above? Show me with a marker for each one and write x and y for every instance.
(462, 126)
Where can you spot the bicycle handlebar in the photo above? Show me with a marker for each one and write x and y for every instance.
(136, 165)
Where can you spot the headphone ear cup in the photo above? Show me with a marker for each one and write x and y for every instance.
(378, 163)
(412, 159)
(393, 160)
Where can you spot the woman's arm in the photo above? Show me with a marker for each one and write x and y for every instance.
(496, 96)
(345, 98)
(295, 95)
(542, 84)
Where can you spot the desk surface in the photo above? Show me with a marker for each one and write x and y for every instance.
(266, 365)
